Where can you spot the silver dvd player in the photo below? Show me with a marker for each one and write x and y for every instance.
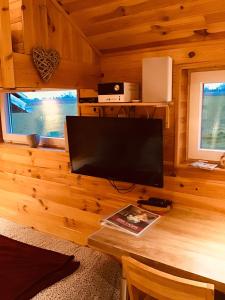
(118, 92)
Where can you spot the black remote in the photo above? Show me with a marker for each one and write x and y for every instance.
(155, 202)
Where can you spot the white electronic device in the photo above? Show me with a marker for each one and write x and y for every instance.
(157, 79)
(118, 92)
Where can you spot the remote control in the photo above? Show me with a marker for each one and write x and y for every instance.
(155, 202)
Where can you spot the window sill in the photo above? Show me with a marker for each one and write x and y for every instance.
(185, 170)
(4, 145)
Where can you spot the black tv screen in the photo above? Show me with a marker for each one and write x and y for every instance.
(120, 149)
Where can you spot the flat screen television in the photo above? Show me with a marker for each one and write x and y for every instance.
(119, 149)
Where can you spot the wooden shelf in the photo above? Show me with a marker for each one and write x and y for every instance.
(132, 104)
(155, 104)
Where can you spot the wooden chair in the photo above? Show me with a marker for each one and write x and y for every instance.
(144, 280)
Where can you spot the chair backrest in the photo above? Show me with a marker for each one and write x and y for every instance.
(159, 285)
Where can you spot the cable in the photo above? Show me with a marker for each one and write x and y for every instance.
(154, 111)
(122, 190)
(147, 112)
(122, 108)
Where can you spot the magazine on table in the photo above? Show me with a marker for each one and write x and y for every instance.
(131, 219)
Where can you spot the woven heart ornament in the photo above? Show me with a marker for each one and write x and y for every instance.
(46, 62)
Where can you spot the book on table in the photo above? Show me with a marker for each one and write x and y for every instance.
(131, 219)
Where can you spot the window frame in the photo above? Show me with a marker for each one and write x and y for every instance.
(22, 138)
(197, 79)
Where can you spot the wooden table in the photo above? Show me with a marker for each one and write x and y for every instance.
(186, 242)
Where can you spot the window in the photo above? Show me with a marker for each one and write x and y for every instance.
(206, 136)
(41, 112)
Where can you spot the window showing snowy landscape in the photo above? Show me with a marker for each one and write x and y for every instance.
(41, 112)
(213, 116)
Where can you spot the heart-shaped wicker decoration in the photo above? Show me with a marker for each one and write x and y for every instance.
(46, 62)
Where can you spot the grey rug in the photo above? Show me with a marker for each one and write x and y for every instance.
(98, 277)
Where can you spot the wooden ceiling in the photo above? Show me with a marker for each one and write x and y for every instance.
(121, 25)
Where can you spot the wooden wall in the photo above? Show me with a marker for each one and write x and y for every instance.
(16, 25)
(6, 56)
(36, 187)
(43, 23)
(188, 57)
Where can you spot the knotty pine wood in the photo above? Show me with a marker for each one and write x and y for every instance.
(114, 26)
(78, 74)
(43, 23)
(190, 57)
(31, 181)
(16, 24)
(186, 242)
(6, 59)
(37, 189)
(182, 92)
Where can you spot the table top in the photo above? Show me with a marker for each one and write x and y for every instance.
(186, 242)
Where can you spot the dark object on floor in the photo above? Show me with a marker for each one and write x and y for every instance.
(156, 202)
(26, 270)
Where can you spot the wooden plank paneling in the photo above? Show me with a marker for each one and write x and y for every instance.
(38, 191)
(16, 24)
(74, 223)
(32, 25)
(128, 67)
(6, 57)
(114, 26)
(181, 90)
(43, 23)
(96, 13)
(77, 74)
(36, 186)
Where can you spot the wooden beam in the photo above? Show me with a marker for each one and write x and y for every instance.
(144, 38)
(81, 18)
(195, 38)
(83, 5)
(152, 17)
(6, 54)
(163, 29)
(137, 8)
